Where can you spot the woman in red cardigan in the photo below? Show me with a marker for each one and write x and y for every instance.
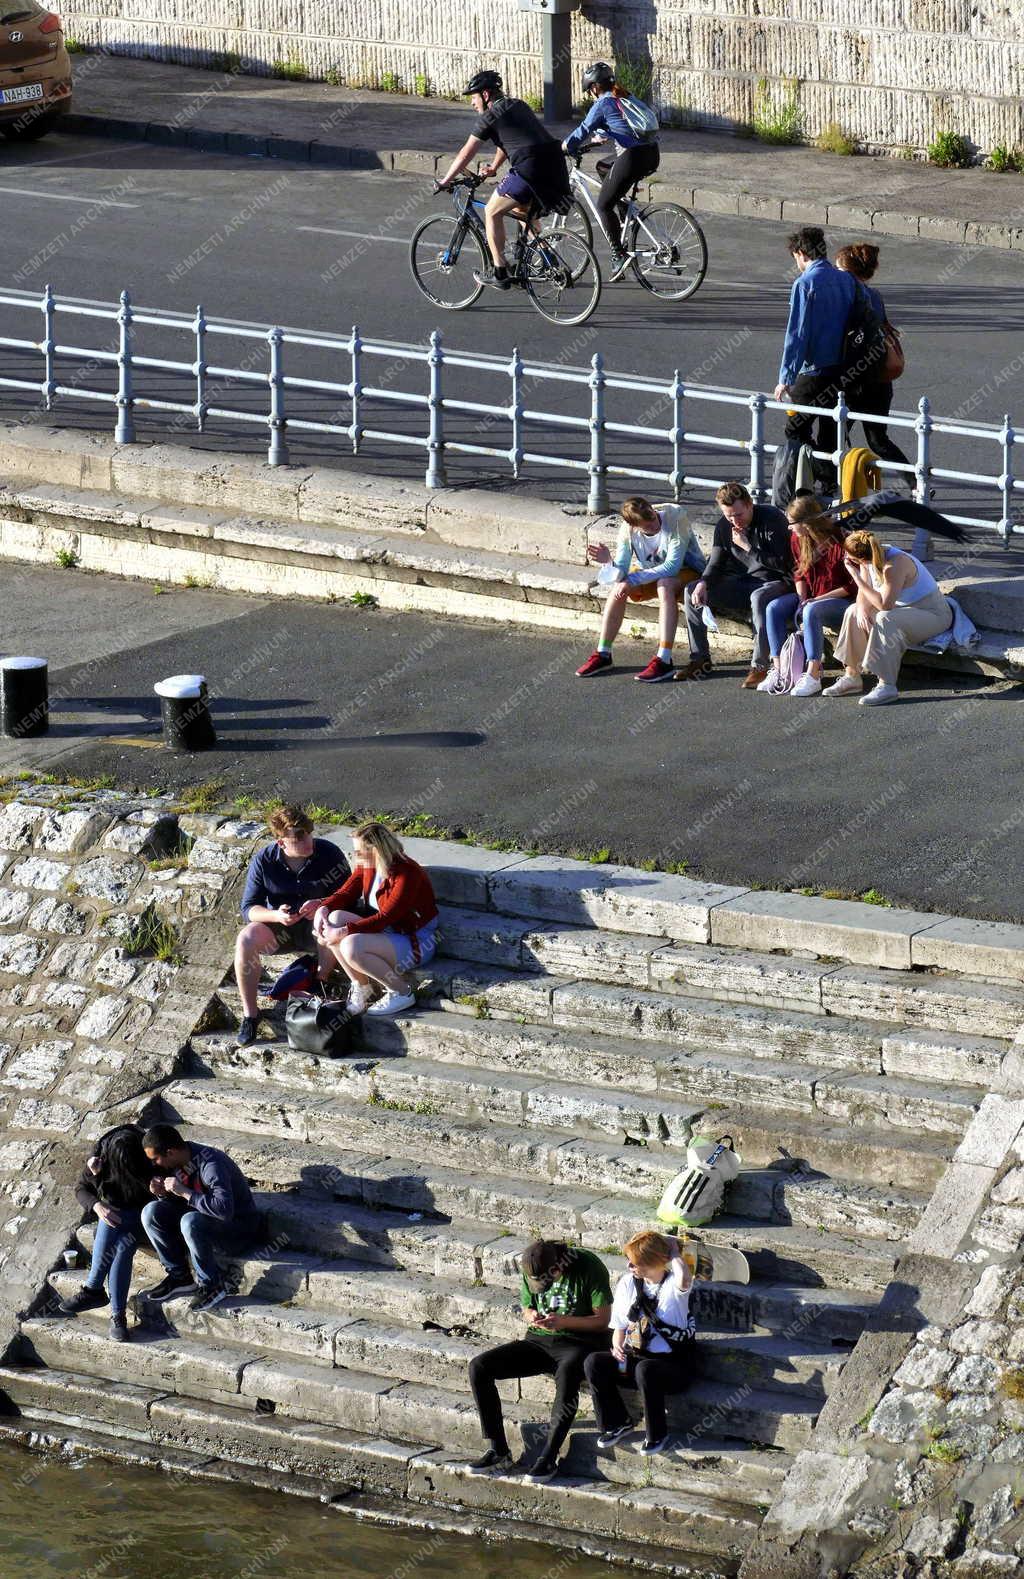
(381, 923)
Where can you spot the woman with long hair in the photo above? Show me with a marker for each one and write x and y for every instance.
(873, 392)
(825, 590)
(114, 1184)
(632, 127)
(898, 605)
(381, 923)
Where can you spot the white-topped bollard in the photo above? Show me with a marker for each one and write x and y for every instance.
(24, 697)
(185, 707)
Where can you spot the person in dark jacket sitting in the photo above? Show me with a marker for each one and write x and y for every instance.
(381, 923)
(114, 1184)
(203, 1203)
(282, 876)
(750, 564)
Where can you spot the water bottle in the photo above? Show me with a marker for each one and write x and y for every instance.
(623, 1363)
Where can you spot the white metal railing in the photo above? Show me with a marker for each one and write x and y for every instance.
(436, 401)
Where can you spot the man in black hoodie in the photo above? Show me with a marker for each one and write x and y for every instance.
(115, 1185)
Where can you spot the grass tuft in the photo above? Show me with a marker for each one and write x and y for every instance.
(151, 934)
(950, 151)
(778, 120)
(67, 559)
(833, 140)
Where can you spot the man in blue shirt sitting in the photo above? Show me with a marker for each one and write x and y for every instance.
(812, 355)
(282, 876)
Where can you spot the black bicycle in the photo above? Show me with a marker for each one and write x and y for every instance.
(450, 261)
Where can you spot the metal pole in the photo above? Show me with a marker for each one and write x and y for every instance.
(1006, 480)
(515, 369)
(124, 431)
(921, 546)
(842, 421)
(598, 501)
(199, 326)
(49, 380)
(677, 479)
(437, 477)
(277, 454)
(758, 487)
(557, 65)
(355, 388)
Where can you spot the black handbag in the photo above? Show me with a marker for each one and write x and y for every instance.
(321, 1026)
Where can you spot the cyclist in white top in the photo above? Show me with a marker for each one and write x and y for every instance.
(617, 114)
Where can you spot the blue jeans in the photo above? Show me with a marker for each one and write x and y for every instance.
(179, 1234)
(816, 615)
(113, 1251)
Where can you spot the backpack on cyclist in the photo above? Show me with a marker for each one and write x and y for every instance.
(865, 347)
(695, 1195)
(638, 116)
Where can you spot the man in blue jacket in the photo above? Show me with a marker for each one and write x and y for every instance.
(812, 355)
(202, 1202)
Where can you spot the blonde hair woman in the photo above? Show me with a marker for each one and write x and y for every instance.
(898, 605)
(381, 923)
(824, 591)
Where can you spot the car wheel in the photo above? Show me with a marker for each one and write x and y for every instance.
(27, 131)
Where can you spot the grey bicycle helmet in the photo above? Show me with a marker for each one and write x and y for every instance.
(600, 74)
(483, 82)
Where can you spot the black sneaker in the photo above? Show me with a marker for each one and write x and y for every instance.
(620, 263)
(544, 1470)
(118, 1329)
(496, 1461)
(609, 1438)
(647, 1447)
(247, 1030)
(86, 1299)
(209, 1295)
(174, 1285)
(497, 282)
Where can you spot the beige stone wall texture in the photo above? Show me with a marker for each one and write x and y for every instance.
(893, 73)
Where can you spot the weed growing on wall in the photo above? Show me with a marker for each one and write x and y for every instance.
(778, 120)
(950, 151)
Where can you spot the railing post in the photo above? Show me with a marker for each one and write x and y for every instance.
(678, 430)
(355, 388)
(921, 546)
(1006, 480)
(598, 502)
(277, 454)
(124, 431)
(758, 486)
(437, 477)
(199, 367)
(842, 418)
(515, 371)
(48, 347)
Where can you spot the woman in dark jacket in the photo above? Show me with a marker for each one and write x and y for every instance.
(115, 1185)
(872, 394)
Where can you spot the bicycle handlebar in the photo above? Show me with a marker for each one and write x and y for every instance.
(470, 180)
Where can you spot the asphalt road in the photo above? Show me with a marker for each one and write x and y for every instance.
(259, 240)
(488, 730)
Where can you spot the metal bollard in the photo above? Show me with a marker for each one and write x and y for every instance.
(185, 709)
(24, 697)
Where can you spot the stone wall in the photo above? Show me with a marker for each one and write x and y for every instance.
(891, 72)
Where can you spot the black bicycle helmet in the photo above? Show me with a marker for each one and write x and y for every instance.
(600, 74)
(483, 82)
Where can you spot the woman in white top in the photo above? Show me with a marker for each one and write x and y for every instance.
(653, 1346)
(898, 605)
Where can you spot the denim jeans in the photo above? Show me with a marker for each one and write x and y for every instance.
(816, 615)
(178, 1234)
(113, 1251)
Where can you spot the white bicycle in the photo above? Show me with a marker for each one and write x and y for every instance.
(666, 246)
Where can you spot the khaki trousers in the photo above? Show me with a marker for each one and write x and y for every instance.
(881, 649)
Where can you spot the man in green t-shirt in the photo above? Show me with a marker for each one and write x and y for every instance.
(566, 1298)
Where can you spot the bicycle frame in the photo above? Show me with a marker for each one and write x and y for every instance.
(582, 185)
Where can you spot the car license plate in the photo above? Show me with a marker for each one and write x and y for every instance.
(32, 90)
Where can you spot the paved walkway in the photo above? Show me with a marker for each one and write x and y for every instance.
(310, 120)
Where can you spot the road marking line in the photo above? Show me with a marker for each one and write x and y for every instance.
(43, 164)
(65, 197)
(360, 235)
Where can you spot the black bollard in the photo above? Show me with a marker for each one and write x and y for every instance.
(24, 697)
(185, 706)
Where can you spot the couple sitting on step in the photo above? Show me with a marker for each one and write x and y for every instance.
(376, 923)
(570, 1314)
(187, 1199)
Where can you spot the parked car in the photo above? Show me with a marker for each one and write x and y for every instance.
(35, 70)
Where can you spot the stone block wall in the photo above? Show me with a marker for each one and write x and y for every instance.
(891, 72)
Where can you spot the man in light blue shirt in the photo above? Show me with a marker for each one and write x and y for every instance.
(812, 355)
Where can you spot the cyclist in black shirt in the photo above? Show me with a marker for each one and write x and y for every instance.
(537, 175)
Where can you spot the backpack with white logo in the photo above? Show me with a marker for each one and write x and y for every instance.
(695, 1195)
(638, 116)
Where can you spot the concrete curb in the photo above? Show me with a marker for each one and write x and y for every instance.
(717, 199)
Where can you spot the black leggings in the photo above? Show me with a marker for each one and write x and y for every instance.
(631, 166)
(877, 398)
(654, 1376)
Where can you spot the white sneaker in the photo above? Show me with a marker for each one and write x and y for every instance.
(769, 681)
(393, 1003)
(807, 685)
(358, 998)
(846, 685)
(880, 695)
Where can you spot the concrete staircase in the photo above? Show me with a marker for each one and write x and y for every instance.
(548, 1083)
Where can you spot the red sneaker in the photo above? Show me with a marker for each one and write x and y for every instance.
(656, 670)
(594, 664)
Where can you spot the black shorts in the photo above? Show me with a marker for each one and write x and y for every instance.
(298, 939)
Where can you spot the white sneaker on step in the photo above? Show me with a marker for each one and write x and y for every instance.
(358, 998)
(807, 685)
(393, 1003)
(881, 694)
(846, 685)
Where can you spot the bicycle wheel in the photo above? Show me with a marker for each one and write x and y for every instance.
(561, 276)
(442, 256)
(670, 255)
(575, 222)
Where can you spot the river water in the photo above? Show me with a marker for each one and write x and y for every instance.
(96, 1520)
